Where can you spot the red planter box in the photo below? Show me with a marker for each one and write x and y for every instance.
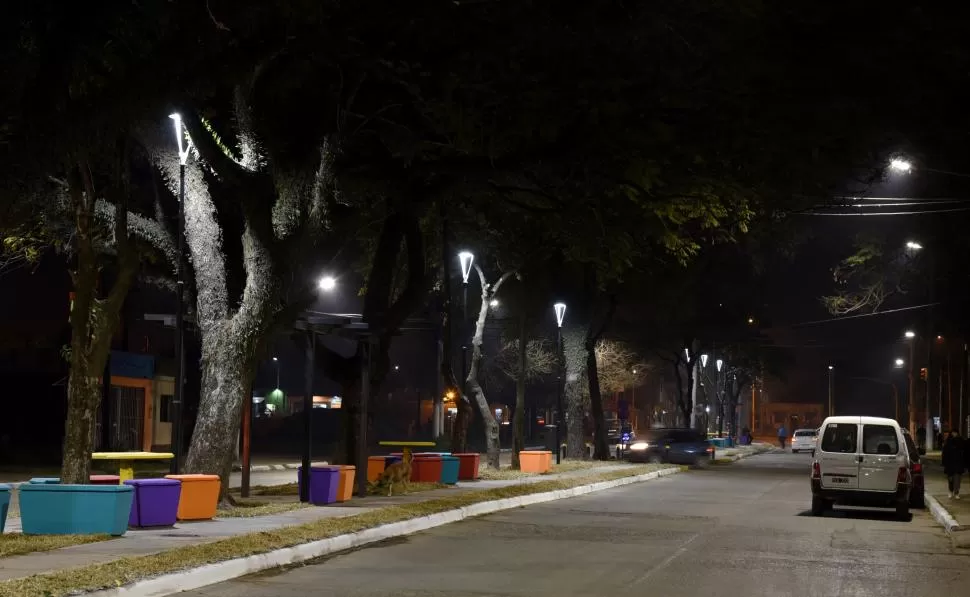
(468, 466)
(426, 469)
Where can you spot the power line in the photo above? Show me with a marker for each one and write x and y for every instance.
(861, 315)
(885, 213)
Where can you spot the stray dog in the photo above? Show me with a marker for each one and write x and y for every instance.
(399, 472)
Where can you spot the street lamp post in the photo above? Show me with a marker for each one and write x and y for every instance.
(831, 390)
(184, 143)
(466, 259)
(560, 310)
(911, 337)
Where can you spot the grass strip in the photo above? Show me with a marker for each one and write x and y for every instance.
(126, 570)
(509, 474)
(292, 489)
(16, 544)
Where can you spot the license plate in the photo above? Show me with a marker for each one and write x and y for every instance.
(840, 480)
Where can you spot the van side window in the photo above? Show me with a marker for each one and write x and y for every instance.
(840, 438)
(879, 439)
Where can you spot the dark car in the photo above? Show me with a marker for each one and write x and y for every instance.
(916, 470)
(676, 446)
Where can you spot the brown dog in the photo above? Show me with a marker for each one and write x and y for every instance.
(399, 472)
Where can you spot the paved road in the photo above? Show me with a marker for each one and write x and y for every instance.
(738, 530)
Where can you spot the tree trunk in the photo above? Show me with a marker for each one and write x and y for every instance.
(601, 450)
(692, 384)
(518, 442)
(226, 378)
(475, 388)
(683, 401)
(574, 339)
(83, 397)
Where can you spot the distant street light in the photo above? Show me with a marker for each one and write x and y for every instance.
(397, 367)
(910, 334)
(703, 360)
(466, 259)
(831, 367)
(913, 245)
(911, 397)
(493, 303)
(560, 311)
(900, 363)
(720, 364)
(327, 283)
(831, 390)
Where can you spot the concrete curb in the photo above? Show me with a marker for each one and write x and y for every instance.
(195, 578)
(957, 532)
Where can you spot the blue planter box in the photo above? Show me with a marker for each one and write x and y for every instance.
(4, 504)
(45, 480)
(449, 470)
(47, 509)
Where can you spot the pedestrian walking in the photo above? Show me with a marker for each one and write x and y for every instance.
(782, 435)
(954, 462)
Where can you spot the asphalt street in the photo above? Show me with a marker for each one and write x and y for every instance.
(735, 530)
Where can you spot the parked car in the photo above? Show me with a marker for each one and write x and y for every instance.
(861, 461)
(917, 491)
(676, 446)
(804, 440)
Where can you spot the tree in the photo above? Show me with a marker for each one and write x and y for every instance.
(617, 365)
(871, 276)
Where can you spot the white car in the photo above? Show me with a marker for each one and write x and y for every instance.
(804, 440)
(861, 461)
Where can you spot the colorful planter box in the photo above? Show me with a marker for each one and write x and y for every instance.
(55, 509)
(155, 503)
(426, 469)
(200, 496)
(375, 467)
(449, 470)
(94, 480)
(468, 466)
(4, 504)
(324, 481)
(345, 485)
(535, 461)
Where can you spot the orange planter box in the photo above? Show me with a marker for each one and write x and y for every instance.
(468, 466)
(375, 466)
(345, 488)
(426, 469)
(199, 498)
(535, 461)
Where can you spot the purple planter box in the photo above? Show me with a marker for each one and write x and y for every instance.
(156, 502)
(323, 484)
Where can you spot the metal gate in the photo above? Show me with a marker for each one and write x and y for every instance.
(126, 411)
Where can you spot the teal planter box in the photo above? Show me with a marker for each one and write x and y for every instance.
(4, 504)
(449, 470)
(47, 509)
(45, 480)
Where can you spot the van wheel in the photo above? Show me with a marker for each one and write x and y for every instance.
(902, 511)
(819, 506)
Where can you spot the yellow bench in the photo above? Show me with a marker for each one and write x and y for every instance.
(126, 460)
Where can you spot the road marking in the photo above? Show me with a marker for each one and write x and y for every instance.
(680, 551)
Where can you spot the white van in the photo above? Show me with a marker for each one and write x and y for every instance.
(861, 461)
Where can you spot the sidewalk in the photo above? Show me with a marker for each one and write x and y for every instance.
(145, 542)
(936, 486)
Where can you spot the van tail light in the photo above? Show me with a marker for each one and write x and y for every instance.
(917, 468)
(903, 475)
(816, 471)
(710, 450)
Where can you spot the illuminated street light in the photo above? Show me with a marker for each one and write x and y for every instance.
(910, 334)
(901, 165)
(275, 359)
(913, 245)
(493, 303)
(900, 362)
(327, 283)
(719, 363)
(831, 367)
(466, 259)
(703, 360)
(560, 310)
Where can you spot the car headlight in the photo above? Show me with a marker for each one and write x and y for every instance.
(639, 446)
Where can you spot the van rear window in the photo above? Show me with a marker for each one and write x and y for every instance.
(840, 437)
(879, 439)
(804, 433)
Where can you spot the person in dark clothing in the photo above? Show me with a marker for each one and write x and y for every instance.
(954, 462)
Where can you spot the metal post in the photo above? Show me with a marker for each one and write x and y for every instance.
(310, 354)
(247, 436)
(365, 363)
(464, 335)
(831, 392)
(179, 331)
(930, 436)
(561, 422)
(912, 387)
